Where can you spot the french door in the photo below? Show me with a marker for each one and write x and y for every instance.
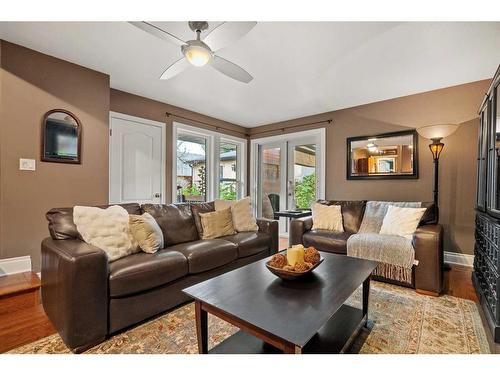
(288, 173)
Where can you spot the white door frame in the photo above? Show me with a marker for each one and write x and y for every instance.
(320, 133)
(142, 121)
(212, 157)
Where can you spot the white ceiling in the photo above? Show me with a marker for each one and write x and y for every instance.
(299, 68)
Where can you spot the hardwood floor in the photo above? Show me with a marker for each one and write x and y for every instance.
(22, 319)
(29, 325)
(23, 327)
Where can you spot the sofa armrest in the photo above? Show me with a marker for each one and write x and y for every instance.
(428, 244)
(270, 227)
(297, 228)
(75, 291)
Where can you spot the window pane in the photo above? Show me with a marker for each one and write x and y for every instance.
(191, 168)
(271, 181)
(305, 175)
(228, 173)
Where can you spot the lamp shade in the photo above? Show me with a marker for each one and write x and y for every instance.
(437, 131)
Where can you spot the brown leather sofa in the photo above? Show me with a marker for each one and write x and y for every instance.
(87, 299)
(427, 241)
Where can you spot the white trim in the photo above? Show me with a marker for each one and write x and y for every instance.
(212, 156)
(459, 259)
(255, 143)
(144, 121)
(10, 266)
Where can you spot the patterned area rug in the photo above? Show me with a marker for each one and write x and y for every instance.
(401, 321)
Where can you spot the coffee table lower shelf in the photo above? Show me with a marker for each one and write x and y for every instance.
(334, 337)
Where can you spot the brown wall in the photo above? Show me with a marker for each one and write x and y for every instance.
(32, 84)
(139, 106)
(456, 104)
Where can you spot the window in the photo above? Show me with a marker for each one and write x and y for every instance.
(208, 165)
(228, 181)
(191, 168)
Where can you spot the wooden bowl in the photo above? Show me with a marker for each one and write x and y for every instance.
(292, 275)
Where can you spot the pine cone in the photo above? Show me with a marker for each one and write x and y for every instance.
(278, 261)
(311, 255)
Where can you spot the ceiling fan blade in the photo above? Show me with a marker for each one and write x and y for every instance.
(227, 33)
(159, 33)
(230, 69)
(174, 69)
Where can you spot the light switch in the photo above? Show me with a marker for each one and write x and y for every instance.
(26, 164)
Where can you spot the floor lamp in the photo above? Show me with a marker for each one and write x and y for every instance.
(436, 133)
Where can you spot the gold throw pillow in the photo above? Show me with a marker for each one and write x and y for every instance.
(241, 211)
(146, 232)
(327, 217)
(217, 224)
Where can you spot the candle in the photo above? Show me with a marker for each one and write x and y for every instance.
(295, 254)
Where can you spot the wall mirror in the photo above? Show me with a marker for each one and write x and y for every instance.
(61, 137)
(383, 156)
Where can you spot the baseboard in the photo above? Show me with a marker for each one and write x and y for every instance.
(459, 259)
(15, 265)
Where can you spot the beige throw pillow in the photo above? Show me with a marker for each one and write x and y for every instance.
(327, 217)
(217, 224)
(107, 229)
(243, 218)
(146, 232)
(401, 221)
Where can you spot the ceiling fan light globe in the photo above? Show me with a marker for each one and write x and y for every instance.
(197, 55)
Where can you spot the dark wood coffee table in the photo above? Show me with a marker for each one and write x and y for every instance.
(306, 316)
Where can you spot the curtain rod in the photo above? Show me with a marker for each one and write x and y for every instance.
(217, 128)
(294, 126)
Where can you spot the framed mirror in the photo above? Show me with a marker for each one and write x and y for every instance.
(383, 156)
(61, 137)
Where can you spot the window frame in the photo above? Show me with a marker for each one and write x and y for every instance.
(213, 141)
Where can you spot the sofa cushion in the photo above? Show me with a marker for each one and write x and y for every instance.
(198, 208)
(352, 213)
(142, 271)
(62, 226)
(325, 240)
(327, 217)
(204, 255)
(146, 232)
(108, 229)
(249, 243)
(217, 224)
(175, 220)
(430, 215)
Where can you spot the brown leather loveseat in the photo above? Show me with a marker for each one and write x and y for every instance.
(87, 298)
(427, 276)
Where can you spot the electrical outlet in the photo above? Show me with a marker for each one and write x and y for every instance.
(26, 164)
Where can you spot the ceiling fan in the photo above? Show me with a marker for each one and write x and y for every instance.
(201, 51)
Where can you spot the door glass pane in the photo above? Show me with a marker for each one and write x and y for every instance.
(191, 168)
(270, 182)
(304, 175)
(228, 171)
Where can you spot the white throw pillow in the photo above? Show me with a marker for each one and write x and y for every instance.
(107, 229)
(327, 217)
(241, 211)
(401, 221)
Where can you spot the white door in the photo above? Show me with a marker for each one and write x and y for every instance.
(136, 160)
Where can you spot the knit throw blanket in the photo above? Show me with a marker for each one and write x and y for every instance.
(395, 254)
